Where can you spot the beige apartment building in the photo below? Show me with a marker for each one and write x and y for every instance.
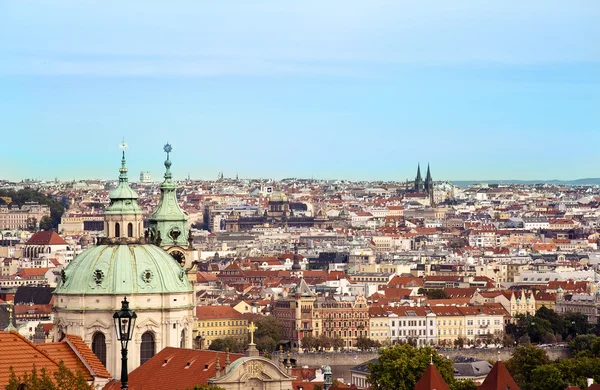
(16, 218)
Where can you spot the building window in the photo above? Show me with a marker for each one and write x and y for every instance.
(129, 229)
(117, 230)
(147, 347)
(182, 342)
(99, 347)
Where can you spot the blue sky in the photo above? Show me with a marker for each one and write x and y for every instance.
(273, 89)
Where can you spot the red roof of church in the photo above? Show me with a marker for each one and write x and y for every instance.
(431, 380)
(46, 238)
(77, 356)
(185, 369)
(499, 379)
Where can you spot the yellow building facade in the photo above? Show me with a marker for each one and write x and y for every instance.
(216, 322)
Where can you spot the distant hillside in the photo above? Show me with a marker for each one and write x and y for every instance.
(577, 182)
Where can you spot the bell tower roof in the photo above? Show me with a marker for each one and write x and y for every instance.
(168, 218)
(123, 199)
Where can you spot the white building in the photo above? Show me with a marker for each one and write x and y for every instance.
(416, 324)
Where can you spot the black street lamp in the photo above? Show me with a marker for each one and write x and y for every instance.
(124, 322)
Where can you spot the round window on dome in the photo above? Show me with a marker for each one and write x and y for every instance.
(147, 276)
(98, 276)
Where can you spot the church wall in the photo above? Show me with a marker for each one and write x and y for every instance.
(164, 315)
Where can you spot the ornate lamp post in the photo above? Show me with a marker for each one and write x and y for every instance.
(124, 322)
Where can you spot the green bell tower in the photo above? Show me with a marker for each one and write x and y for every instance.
(168, 223)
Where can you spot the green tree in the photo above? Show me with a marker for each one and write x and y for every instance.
(31, 223)
(324, 342)
(63, 379)
(268, 326)
(547, 377)
(66, 379)
(563, 372)
(46, 223)
(337, 343)
(399, 367)
(309, 342)
(463, 385)
(434, 293)
(266, 344)
(576, 324)
(523, 361)
(223, 344)
(206, 387)
(582, 345)
(459, 342)
(365, 343)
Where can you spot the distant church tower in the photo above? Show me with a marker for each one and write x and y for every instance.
(419, 186)
(168, 223)
(429, 186)
(424, 186)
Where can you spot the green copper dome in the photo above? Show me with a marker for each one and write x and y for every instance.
(123, 270)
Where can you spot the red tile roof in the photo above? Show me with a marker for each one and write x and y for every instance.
(185, 369)
(498, 379)
(20, 354)
(32, 272)
(62, 351)
(216, 312)
(88, 358)
(46, 238)
(431, 380)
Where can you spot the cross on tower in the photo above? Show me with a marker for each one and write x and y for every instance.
(252, 328)
(123, 146)
(168, 149)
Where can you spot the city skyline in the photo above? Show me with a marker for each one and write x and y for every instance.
(335, 91)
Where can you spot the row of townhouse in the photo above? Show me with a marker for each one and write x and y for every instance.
(441, 325)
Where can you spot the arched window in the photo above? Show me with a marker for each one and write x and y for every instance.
(99, 347)
(182, 342)
(129, 229)
(147, 347)
(117, 230)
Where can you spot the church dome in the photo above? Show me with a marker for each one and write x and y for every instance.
(123, 270)
(278, 196)
(86, 240)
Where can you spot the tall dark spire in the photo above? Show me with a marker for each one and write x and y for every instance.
(428, 181)
(418, 180)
